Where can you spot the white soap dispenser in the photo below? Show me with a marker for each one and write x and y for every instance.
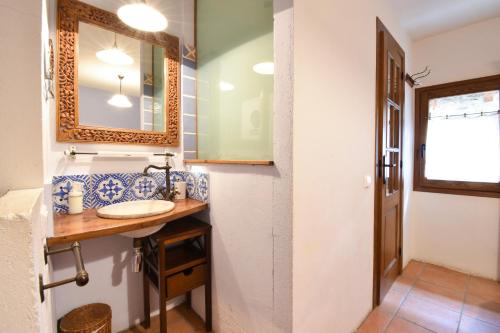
(75, 199)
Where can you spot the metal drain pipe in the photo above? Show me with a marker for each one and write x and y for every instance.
(137, 256)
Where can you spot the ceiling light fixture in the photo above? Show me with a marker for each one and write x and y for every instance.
(264, 68)
(119, 100)
(114, 56)
(143, 17)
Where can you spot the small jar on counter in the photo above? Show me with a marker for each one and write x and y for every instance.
(75, 199)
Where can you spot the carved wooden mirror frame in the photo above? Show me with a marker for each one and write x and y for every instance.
(70, 13)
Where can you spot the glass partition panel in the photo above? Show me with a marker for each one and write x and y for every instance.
(235, 79)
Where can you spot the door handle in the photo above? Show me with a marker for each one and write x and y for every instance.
(382, 167)
(422, 151)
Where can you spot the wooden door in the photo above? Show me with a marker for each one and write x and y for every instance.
(389, 182)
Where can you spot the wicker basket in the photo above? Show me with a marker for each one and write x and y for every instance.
(90, 318)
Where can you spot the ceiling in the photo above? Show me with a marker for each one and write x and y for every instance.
(424, 18)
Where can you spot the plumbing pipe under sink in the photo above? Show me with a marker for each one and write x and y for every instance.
(137, 256)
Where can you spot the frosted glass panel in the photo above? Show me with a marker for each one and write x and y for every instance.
(234, 96)
(463, 138)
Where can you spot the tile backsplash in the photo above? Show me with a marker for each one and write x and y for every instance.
(105, 189)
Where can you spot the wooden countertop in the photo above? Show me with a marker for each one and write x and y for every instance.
(71, 228)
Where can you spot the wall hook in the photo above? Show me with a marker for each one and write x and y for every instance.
(414, 79)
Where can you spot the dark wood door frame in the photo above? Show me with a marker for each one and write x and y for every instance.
(382, 31)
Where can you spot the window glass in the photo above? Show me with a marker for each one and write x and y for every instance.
(463, 138)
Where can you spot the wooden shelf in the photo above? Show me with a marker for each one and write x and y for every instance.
(180, 230)
(183, 257)
(240, 162)
(71, 228)
(184, 265)
(180, 258)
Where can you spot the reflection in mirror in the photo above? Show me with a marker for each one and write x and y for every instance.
(121, 81)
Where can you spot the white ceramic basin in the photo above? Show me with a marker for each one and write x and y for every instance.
(144, 232)
(137, 209)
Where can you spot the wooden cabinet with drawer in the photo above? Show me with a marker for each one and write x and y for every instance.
(177, 259)
(186, 280)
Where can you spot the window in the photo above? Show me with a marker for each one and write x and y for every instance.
(457, 138)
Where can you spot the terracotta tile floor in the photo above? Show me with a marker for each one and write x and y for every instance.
(428, 298)
(179, 320)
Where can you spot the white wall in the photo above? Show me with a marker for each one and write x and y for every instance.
(20, 95)
(333, 149)
(23, 29)
(460, 232)
(250, 210)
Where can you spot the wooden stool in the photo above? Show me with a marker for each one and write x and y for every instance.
(90, 318)
(176, 261)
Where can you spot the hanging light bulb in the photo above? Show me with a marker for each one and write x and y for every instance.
(226, 86)
(114, 56)
(119, 100)
(264, 68)
(143, 17)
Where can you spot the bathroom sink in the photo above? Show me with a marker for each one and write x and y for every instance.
(144, 232)
(137, 209)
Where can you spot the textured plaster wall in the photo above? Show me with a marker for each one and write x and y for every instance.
(19, 311)
(21, 245)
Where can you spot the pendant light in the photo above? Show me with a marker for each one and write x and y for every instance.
(264, 68)
(114, 56)
(226, 86)
(119, 100)
(142, 16)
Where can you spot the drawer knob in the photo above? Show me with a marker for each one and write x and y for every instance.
(188, 271)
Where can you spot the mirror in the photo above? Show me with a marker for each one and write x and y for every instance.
(120, 81)
(115, 84)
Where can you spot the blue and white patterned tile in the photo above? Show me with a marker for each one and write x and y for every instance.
(142, 187)
(62, 185)
(104, 189)
(191, 185)
(110, 188)
(176, 176)
(159, 177)
(202, 187)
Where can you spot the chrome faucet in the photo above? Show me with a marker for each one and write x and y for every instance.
(165, 191)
